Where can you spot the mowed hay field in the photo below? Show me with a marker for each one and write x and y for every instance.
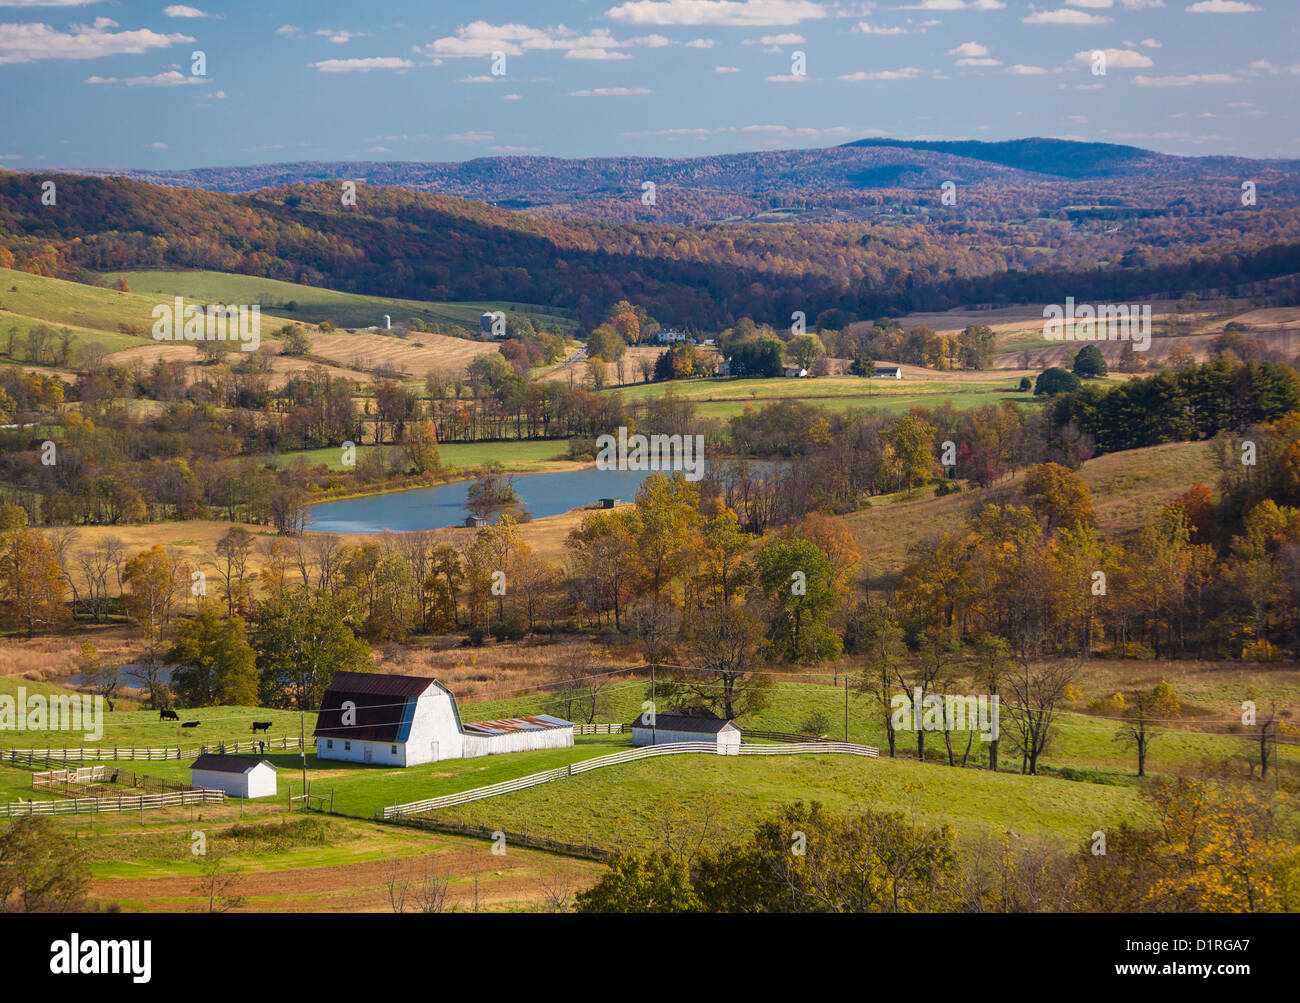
(414, 356)
(725, 398)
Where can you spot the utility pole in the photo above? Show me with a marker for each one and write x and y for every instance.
(302, 749)
(846, 708)
(654, 714)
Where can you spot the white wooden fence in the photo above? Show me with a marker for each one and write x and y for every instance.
(89, 806)
(617, 758)
(106, 753)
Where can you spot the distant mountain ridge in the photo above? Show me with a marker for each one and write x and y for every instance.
(529, 181)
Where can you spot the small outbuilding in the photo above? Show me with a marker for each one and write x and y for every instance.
(238, 776)
(668, 728)
(889, 372)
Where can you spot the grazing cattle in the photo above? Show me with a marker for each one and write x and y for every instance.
(168, 715)
(261, 726)
(190, 724)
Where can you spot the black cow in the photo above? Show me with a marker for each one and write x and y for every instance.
(261, 726)
(190, 724)
(168, 715)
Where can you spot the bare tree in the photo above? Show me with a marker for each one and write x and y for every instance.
(1036, 695)
(1136, 733)
(217, 885)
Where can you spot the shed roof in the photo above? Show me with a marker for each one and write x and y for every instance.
(505, 725)
(215, 763)
(685, 722)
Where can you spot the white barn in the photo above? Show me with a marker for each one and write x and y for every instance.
(370, 717)
(238, 776)
(685, 728)
(889, 372)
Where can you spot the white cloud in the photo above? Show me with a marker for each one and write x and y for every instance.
(27, 43)
(787, 78)
(945, 5)
(512, 97)
(1149, 43)
(287, 30)
(480, 39)
(610, 92)
(600, 54)
(969, 49)
(339, 37)
(733, 13)
(785, 39)
(471, 137)
(1222, 7)
(1064, 16)
(906, 73)
(180, 10)
(1021, 70)
(172, 78)
(157, 146)
(726, 69)
(1186, 81)
(863, 28)
(701, 43)
(362, 65)
(1119, 59)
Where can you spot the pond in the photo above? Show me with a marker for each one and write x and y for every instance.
(441, 506)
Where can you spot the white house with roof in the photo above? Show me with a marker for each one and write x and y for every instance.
(238, 776)
(661, 729)
(372, 717)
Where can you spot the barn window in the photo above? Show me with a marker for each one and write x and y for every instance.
(347, 746)
(394, 748)
(329, 743)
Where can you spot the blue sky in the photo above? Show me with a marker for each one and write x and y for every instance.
(112, 83)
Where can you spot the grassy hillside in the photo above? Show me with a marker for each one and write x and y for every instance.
(312, 305)
(1126, 488)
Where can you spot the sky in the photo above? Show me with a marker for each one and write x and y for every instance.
(126, 84)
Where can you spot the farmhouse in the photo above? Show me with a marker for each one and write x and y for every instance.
(370, 717)
(795, 373)
(238, 776)
(889, 372)
(685, 728)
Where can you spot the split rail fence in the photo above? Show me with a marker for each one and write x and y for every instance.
(32, 757)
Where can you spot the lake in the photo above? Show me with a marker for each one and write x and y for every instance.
(441, 506)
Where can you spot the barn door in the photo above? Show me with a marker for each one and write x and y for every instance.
(434, 748)
(370, 753)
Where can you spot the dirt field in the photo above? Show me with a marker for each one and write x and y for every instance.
(478, 880)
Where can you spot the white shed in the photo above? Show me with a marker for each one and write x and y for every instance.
(238, 776)
(668, 728)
